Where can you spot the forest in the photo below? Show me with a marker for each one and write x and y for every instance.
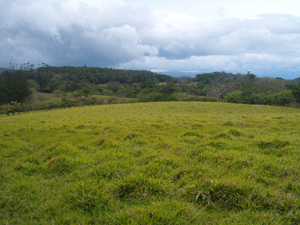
(48, 87)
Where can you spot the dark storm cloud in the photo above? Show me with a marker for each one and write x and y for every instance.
(84, 33)
(114, 34)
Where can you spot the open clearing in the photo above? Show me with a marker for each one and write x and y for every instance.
(151, 163)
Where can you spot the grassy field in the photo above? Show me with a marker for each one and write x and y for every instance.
(151, 163)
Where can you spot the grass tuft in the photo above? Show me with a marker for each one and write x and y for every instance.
(138, 187)
(276, 144)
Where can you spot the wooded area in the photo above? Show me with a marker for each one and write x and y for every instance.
(75, 86)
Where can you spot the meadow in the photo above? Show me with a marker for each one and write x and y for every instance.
(151, 163)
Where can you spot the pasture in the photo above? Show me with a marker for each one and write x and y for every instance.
(151, 163)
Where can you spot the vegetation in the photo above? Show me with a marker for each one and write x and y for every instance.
(151, 163)
(13, 87)
(296, 93)
(147, 163)
(60, 87)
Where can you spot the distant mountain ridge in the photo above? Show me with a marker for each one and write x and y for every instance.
(180, 74)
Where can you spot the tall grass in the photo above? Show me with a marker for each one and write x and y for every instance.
(151, 163)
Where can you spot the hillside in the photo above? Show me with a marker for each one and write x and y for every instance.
(151, 163)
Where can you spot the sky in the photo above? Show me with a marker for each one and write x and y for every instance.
(260, 36)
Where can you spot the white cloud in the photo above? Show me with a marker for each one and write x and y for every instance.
(115, 34)
(194, 63)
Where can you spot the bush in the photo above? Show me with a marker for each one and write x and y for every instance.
(68, 102)
(186, 97)
(296, 93)
(112, 100)
(14, 107)
(51, 104)
(129, 100)
(154, 97)
(279, 98)
(234, 97)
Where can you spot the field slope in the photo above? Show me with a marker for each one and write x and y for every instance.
(151, 163)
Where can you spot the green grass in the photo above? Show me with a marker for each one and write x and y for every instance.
(151, 163)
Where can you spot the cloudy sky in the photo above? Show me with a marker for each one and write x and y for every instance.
(261, 36)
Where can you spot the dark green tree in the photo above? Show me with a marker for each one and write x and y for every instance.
(14, 87)
(169, 88)
(296, 93)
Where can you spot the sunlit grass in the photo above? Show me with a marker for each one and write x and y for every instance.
(151, 163)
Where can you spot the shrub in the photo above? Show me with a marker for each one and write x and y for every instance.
(185, 97)
(234, 97)
(111, 100)
(51, 104)
(279, 98)
(296, 93)
(68, 102)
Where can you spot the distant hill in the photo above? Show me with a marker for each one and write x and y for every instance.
(2, 69)
(49, 78)
(180, 74)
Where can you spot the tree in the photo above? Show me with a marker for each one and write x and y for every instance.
(291, 85)
(169, 88)
(14, 87)
(296, 93)
(218, 90)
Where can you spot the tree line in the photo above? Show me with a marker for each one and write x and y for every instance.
(75, 85)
